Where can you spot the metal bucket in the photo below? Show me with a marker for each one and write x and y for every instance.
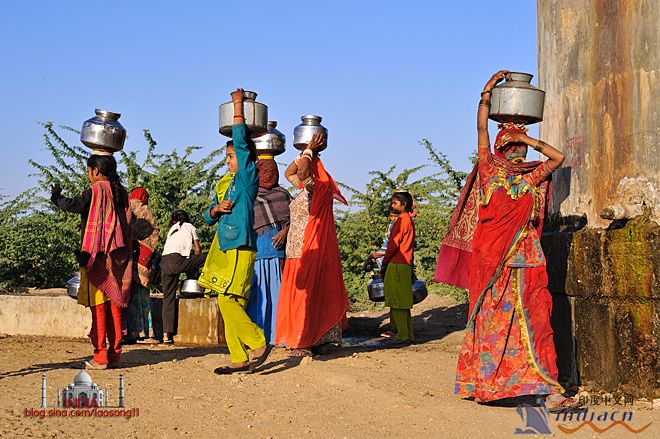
(255, 114)
(516, 100)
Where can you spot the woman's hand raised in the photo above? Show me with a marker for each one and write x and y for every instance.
(317, 141)
(237, 96)
(496, 79)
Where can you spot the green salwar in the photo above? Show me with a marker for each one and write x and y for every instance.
(398, 296)
(230, 275)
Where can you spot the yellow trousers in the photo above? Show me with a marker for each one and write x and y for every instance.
(240, 331)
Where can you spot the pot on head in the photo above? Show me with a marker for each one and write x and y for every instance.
(302, 134)
(271, 143)
(103, 131)
(255, 116)
(516, 100)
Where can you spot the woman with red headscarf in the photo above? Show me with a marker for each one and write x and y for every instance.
(271, 224)
(493, 248)
(145, 234)
(313, 302)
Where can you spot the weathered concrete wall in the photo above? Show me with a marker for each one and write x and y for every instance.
(199, 321)
(599, 63)
(36, 315)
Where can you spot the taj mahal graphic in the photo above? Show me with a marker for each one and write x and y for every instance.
(82, 392)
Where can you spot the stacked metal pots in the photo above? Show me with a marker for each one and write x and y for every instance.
(272, 143)
(516, 100)
(255, 115)
(103, 132)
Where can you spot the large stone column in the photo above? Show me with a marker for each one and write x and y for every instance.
(599, 65)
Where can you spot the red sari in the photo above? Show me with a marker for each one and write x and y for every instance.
(313, 300)
(493, 248)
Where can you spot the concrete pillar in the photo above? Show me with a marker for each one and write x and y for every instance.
(599, 64)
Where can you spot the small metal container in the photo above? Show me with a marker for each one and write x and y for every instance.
(302, 134)
(190, 289)
(516, 100)
(73, 285)
(271, 143)
(255, 114)
(420, 292)
(103, 132)
(376, 290)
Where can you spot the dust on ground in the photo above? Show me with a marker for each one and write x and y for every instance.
(360, 391)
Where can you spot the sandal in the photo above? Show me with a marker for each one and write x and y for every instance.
(301, 353)
(228, 370)
(91, 364)
(388, 334)
(262, 359)
(557, 403)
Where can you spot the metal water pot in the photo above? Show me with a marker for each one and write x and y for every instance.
(190, 289)
(103, 132)
(376, 289)
(302, 134)
(420, 292)
(516, 100)
(73, 285)
(271, 143)
(255, 113)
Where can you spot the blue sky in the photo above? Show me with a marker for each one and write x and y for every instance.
(383, 74)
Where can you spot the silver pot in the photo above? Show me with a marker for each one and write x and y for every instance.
(72, 286)
(376, 290)
(419, 291)
(103, 132)
(516, 100)
(273, 142)
(302, 134)
(190, 288)
(255, 113)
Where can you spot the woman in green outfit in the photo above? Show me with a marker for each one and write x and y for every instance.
(397, 269)
(229, 265)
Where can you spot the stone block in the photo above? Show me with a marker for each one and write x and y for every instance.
(199, 322)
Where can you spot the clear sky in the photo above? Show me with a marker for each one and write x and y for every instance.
(383, 74)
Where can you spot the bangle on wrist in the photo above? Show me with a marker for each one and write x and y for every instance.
(308, 151)
(486, 91)
(239, 115)
(540, 146)
(484, 102)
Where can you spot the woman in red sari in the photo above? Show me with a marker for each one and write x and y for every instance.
(508, 350)
(311, 310)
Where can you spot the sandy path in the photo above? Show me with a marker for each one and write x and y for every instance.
(351, 392)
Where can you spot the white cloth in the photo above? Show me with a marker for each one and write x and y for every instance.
(180, 239)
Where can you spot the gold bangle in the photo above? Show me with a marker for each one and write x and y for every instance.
(540, 146)
(484, 102)
(485, 91)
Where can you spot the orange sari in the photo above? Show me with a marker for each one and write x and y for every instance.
(313, 299)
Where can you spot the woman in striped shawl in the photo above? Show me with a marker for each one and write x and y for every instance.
(105, 255)
(271, 224)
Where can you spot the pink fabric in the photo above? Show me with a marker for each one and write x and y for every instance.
(108, 240)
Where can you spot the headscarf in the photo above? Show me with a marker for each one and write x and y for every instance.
(455, 253)
(139, 194)
(507, 128)
(269, 175)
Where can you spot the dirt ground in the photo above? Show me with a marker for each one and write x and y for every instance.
(358, 391)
